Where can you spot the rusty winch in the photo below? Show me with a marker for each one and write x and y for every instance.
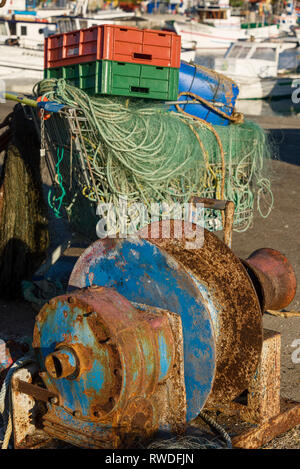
(151, 331)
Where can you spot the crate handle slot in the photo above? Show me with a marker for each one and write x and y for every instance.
(138, 55)
(161, 34)
(138, 89)
(123, 29)
(121, 63)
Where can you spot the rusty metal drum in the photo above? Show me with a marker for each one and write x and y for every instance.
(103, 358)
(207, 286)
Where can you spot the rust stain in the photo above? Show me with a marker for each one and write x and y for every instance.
(239, 314)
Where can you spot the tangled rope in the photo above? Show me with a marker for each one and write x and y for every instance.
(197, 440)
(56, 202)
(138, 151)
(235, 117)
(217, 427)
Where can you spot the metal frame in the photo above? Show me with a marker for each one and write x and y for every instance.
(268, 414)
(26, 412)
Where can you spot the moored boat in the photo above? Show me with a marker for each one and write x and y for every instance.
(261, 69)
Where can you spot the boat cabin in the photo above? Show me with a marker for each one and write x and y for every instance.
(27, 34)
(205, 14)
(263, 59)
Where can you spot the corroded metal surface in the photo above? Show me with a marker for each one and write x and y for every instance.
(225, 289)
(62, 425)
(268, 415)
(288, 418)
(145, 274)
(137, 421)
(104, 359)
(170, 398)
(234, 307)
(261, 401)
(225, 206)
(111, 340)
(25, 411)
(32, 390)
(275, 276)
(61, 363)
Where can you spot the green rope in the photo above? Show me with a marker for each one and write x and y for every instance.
(138, 151)
(52, 200)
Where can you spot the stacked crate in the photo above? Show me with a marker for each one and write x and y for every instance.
(116, 60)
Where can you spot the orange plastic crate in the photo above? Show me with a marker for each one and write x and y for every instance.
(112, 42)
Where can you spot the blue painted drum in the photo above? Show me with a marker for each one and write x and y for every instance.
(215, 88)
(143, 273)
(99, 352)
(59, 325)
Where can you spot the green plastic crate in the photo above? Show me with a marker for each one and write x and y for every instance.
(53, 72)
(70, 73)
(121, 79)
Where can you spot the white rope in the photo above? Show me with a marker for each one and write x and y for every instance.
(5, 399)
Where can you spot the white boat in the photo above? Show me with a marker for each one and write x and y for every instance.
(20, 68)
(214, 28)
(22, 35)
(207, 38)
(26, 33)
(261, 69)
(287, 22)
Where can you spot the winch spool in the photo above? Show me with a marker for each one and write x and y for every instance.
(274, 276)
(115, 365)
(225, 330)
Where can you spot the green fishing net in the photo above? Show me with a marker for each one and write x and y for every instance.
(106, 149)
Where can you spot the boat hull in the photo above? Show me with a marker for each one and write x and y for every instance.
(264, 88)
(207, 38)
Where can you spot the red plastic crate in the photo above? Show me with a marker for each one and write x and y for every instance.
(112, 42)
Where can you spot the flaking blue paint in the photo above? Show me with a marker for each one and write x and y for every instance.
(154, 278)
(56, 328)
(165, 357)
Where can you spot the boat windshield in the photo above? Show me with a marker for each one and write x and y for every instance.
(264, 53)
(66, 25)
(239, 51)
